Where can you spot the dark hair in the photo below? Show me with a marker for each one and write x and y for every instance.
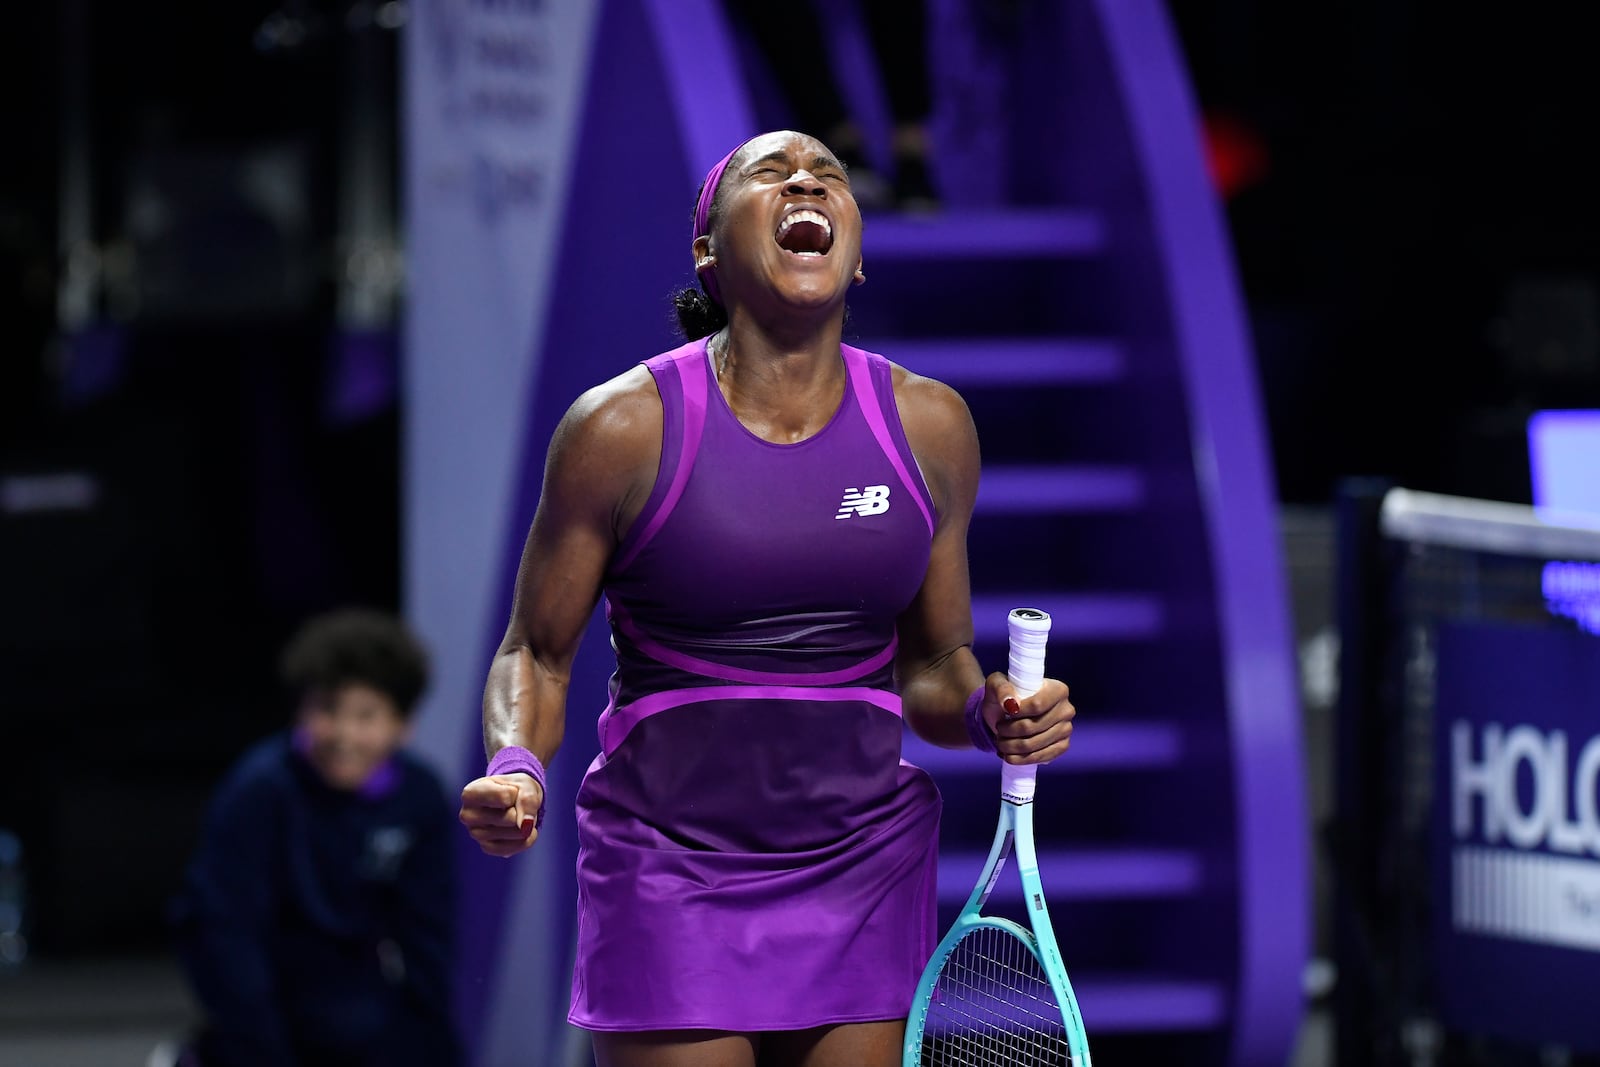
(357, 645)
(699, 315)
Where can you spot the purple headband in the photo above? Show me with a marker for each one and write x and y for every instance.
(702, 217)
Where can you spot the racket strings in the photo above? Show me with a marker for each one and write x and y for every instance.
(992, 1006)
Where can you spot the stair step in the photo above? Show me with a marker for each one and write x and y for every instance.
(1042, 489)
(1014, 233)
(992, 362)
(1078, 874)
(1103, 745)
(1074, 616)
(1132, 1003)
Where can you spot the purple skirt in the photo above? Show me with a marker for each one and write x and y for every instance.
(754, 865)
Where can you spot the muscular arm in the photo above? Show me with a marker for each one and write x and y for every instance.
(936, 669)
(598, 473)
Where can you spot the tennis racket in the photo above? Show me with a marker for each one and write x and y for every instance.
(996, 994)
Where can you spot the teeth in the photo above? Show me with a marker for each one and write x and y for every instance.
(804, 215)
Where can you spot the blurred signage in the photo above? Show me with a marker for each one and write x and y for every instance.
(495, 94)
(1572, 589)
(1516, 833)
(503, 83)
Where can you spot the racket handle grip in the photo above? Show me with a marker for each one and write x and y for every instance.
(1028, 629)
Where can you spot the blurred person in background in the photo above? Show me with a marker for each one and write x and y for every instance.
(316, 918)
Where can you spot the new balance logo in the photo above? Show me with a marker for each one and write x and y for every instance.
(873, 500)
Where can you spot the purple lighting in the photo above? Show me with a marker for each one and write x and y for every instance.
(1564, 452)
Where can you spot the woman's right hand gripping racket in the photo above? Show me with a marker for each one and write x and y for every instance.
(996, 994)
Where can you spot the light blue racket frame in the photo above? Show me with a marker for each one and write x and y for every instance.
(1014, 832)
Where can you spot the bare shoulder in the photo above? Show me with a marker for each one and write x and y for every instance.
(621, 414)
(933, 414)
(608, 445)
(941, 433)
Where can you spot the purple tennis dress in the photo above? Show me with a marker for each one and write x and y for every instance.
(754, 854)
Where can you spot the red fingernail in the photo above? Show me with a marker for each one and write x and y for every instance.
(1011, 705)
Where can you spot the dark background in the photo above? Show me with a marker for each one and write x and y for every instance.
(1409, 186)
(1420, 250)
(235, 489)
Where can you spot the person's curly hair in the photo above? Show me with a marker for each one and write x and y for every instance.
(357, 645)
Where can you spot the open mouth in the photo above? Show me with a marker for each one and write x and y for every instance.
(805, 233)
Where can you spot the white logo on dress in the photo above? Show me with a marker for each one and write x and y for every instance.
(873, 500)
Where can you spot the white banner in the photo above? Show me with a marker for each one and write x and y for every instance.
(1526, 896)
(494, 95)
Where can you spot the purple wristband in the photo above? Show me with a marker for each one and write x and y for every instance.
(514, 759)
(977, 729)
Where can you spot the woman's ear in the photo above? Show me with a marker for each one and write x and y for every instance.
(701, 248)
(861, 275)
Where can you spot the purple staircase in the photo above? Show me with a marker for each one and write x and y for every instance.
(1125, 491)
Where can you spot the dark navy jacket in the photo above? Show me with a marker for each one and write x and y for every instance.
(316, 925)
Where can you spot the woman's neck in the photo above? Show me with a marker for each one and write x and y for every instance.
(783, 389)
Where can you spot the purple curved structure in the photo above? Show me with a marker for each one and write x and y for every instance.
(1078, 290)
(1236, 487)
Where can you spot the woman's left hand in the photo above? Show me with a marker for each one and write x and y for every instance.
(1034, 729)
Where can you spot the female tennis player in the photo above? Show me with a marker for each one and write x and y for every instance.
(777, 522)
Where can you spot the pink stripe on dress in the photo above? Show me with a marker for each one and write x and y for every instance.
(855, 362)
(692, 380)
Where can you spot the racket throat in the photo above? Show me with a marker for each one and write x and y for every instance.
(1017, 783)
(997, 863)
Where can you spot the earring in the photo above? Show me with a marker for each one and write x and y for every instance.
(704, 261)
(861, 277)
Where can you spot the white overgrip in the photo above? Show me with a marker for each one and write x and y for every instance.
(1028, 630)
